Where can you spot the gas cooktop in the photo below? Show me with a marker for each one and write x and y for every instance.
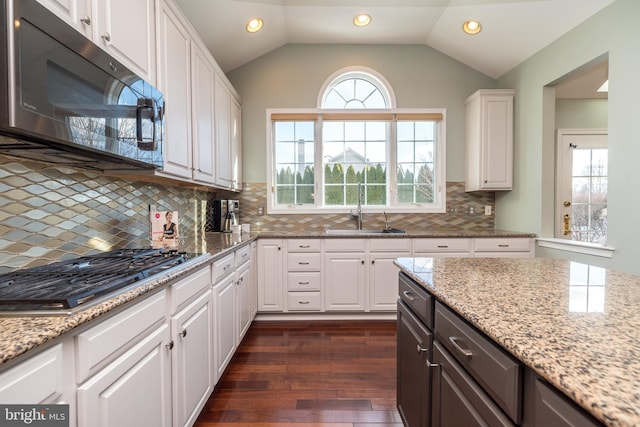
(68, 284)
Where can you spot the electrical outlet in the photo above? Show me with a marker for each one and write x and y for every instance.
(487, 210)
(260, 211)
(472, 210)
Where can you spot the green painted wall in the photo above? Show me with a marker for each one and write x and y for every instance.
(530, 205)
(292, 76)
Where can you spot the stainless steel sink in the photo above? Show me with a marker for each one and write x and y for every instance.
(349, 232)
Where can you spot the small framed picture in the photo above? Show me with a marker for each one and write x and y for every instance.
(164, 229)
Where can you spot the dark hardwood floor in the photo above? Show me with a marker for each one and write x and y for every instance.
(330, 373)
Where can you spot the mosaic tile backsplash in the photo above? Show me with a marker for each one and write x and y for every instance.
(50, 213)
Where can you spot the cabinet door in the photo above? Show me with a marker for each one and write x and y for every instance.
(243, 301)
(202, 93)
(345, 281)
(414, 377)
(236, 144)
(76, 13)
(253, 287)
(225, 337)
(134, 390)
(174, 80)
(223, 134)
(126, 29)
(270, 277)
(192, 369)
(458, 400)
(383, 280)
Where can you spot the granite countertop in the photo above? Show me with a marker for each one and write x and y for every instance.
(575, 325)
(431, 233)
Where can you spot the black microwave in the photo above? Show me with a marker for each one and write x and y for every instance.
(65, 100)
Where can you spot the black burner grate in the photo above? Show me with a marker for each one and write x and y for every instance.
(67, 284)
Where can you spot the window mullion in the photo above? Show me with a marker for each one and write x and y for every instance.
(319, 176)
(392, 165)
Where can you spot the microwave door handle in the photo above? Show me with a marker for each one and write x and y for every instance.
(146, 104)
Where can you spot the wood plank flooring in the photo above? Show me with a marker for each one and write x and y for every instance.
(307, 374)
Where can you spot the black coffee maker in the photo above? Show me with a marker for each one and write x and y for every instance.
(222, 215)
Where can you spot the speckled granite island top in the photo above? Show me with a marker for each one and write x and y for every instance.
(577, 326)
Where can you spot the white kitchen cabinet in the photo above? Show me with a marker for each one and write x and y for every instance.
(202, 118)
(304, 275)
(174, 80)
(345, 275)
(489, 140)
(270, 275)
(125, 29)
(192, 355)
(504, 247)
(39, 379)
(228, 136)
(253, 289)
(382, 273)
(191, 311)
(224, 321)
(134, 390)
(243, 301)
(442, 247)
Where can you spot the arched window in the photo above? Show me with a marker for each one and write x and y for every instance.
(356, 88)
(356, 150)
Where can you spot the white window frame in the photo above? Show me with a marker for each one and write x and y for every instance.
(439, 206)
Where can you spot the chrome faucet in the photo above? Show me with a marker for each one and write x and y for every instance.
(358, 212)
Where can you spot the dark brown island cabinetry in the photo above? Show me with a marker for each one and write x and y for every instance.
(451, 374)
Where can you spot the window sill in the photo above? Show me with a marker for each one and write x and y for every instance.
(342, 210)
(578, 247)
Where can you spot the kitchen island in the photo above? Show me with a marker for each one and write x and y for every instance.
(574, 325)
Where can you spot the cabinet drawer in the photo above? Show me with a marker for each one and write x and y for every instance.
(390, 245)
(499, 374)
(457, 399)
(303, 281)
(223, 267)
(514, 244)
(419, 300)
(303, 262)
(109, 339)
(441, 245)
(39, 379)
(554, 409)
(304, 301)
(344, 245)
(187, 289)
(303, 245)
(242, 255)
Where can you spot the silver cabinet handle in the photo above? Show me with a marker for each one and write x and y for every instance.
(303, 283)
(170, 345)
(303, 263)
(503, 246)
(85, 20)
(106, 37)
(443, 246)
(409, 295)
(465, 353)
(304, 246)
(303, 302)
(183, 333)
(421, 349)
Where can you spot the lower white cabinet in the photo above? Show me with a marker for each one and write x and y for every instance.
(132, 391)
(345, 275)
(243, 301)
(224, 323)
(192, 354)
(270, 275)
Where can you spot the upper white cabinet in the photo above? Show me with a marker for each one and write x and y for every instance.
(125, 29)
(203, 79)
(489, 140)
(228, 136)
(174, 80)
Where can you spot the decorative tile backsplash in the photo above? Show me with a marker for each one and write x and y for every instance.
(49, 213)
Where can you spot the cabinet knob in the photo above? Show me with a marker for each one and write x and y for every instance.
(362, 262)
(85, 20)
(183, 333)
(170, 345)
(106, 37)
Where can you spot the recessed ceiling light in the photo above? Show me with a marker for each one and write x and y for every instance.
(254, 25)
(362, 20)
(472, 27)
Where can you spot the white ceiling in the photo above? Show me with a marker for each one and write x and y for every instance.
(513, 30)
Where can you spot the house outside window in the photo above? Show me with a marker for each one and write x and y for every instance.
(356, 140)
